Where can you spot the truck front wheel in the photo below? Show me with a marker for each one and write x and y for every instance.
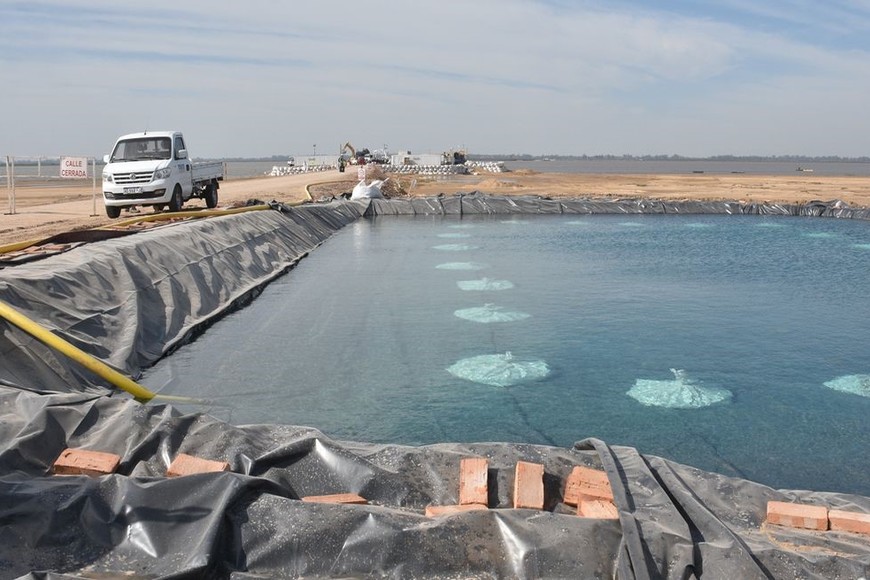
(113, 211)
(177, 201)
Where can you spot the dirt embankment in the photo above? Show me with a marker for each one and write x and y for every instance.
(44, 211)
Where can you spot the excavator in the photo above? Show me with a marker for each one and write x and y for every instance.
(353, 156)
(350, 150)
(350, 154)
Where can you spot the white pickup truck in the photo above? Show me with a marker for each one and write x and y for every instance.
(153, 168)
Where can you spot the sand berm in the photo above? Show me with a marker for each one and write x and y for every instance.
(41, 212)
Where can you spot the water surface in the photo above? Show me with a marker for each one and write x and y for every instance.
(359, 339)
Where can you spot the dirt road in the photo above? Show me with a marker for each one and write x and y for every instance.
(41, 212)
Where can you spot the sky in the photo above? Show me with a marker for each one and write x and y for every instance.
(541, 77)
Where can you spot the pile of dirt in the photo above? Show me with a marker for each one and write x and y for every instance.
(393, 186)
(497, 184)
(330, 189)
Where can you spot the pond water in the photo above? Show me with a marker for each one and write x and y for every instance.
(708, 340)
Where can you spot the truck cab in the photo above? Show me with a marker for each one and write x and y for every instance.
(153, 168)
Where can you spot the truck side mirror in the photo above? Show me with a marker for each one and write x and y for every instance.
(181, 154)
(105, 159)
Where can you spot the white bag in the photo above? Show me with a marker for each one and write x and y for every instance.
(363, 191)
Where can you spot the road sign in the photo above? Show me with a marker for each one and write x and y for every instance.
(74, 167)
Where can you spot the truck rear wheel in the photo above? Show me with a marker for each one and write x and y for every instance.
(113, 211)
(211, 195)
(177, 201)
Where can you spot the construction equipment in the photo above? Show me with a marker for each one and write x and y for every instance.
(350, 154)
(354, 157)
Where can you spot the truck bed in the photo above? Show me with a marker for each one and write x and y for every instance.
(207, 171)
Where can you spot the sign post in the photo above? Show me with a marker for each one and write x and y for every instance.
(10, 183)
(94, 186)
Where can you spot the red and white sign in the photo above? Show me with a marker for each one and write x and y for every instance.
(74, 167)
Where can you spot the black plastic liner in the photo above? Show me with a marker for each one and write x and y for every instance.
(129, 301)
(478, 203)
(675, 521)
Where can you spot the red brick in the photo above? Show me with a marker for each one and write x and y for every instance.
(796, 515)
(597, 508)
(336, 498)
(529, 486)
(436, 511)
(473, 481)
(586, 483)
(184, 464)
(86, 462)
(843, 521)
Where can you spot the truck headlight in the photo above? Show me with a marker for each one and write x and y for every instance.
(163, 173)
(107, 177)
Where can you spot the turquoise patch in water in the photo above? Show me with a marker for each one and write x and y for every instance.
(462, 266)
(854, 384)
(484, 284)
(499, 370)
(681, 393)
(490, 313)
(454, 247)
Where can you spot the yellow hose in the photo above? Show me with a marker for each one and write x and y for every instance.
(91, 363)
(197, 213)
(15, 246)
(94, 365)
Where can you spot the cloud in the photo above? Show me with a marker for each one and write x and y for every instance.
(509, 75)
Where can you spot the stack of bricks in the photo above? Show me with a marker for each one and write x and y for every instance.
(589, 490)
(816, 518)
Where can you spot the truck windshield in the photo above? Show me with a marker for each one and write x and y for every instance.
(142, 148)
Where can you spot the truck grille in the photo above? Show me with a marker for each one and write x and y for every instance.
(127, 178)
(143, 195)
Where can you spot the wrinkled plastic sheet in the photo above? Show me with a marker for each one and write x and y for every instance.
(479, 203)
(130, 300)
(674, 521)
